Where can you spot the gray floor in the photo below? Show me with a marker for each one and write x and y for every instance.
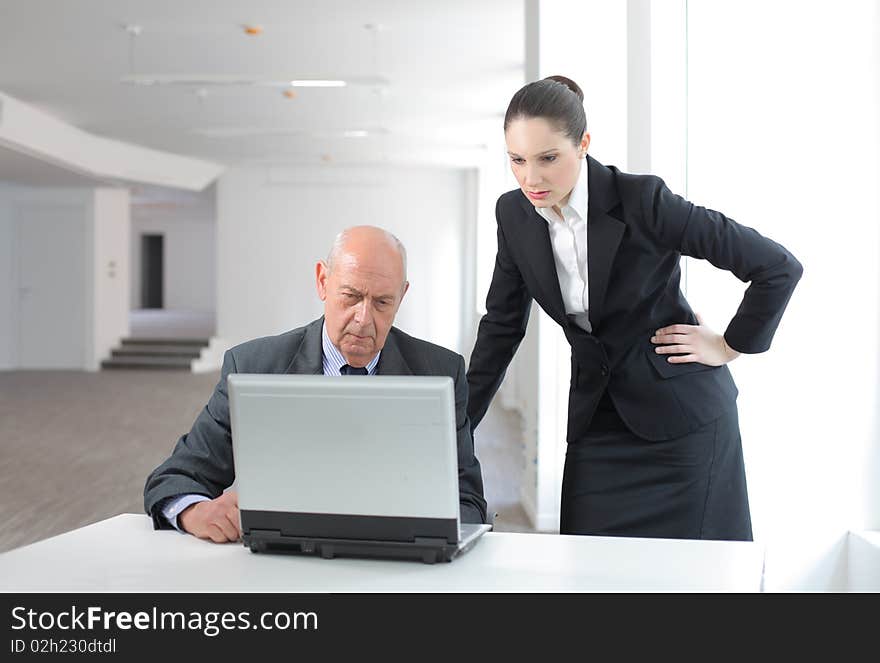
(76, 447)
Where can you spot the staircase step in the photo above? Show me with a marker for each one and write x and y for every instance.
(158, 351)
(172, 363)
(199, 342)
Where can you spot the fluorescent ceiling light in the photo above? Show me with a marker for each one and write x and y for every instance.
(209, 80)
(244, 132)
(317, 83)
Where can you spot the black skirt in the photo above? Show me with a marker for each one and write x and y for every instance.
(691, 487)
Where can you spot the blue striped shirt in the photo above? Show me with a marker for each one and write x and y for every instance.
(333, 359)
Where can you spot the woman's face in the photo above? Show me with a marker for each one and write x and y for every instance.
(544, 161)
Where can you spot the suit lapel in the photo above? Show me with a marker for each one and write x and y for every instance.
(391, 361)
(604, 233)
(535, 236)
(309, 358)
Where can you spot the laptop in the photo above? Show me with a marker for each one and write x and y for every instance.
(363, 466)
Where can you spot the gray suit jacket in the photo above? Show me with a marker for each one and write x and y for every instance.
(201, 462)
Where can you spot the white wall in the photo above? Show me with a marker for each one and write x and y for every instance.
(587, 41)
(273, 225)
(188, 224)
(8, 313)
(96, 304)
(784, 138)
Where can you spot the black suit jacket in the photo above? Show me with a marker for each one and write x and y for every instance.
(637, 231)
(201, 462)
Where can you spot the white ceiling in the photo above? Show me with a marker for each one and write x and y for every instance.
(451, 68)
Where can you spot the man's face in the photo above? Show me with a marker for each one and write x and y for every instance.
(361, 296)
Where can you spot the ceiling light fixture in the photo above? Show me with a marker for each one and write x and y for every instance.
(250, 132)
(317, 83)
(244, 80)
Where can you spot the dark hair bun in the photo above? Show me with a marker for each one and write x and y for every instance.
(570, 84)
(556, 99)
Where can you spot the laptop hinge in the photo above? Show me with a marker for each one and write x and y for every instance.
(430, 541)
(427, 549)
(268, 533)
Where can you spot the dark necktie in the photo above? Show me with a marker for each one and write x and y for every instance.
(351, 370)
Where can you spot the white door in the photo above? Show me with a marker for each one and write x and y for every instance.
(51, 286)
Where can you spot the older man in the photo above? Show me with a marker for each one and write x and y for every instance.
(362, 284)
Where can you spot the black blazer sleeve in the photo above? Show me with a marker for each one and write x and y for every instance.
(201, 462)
(472, 505)
(500, 331)
(771, 271)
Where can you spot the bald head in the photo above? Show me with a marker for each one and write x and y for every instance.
(364, 240)
(362, 284)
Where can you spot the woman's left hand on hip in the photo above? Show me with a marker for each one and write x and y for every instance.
(693, 343)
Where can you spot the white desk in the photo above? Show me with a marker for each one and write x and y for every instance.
(125, 554)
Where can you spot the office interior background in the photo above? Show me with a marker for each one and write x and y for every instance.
(160, 177)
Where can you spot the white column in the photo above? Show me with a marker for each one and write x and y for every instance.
(111, 271)
(638, 61)
(571, 39)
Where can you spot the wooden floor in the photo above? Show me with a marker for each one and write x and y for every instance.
(76, 447)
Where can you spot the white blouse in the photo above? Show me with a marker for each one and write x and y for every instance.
(568, 237)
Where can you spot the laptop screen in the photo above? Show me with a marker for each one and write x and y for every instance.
(375, 446)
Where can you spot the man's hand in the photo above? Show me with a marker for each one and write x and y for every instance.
(215, 519)
(695, 343)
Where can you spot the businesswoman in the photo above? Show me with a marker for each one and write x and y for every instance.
(653, 438)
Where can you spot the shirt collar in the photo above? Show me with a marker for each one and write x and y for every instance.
(333, 359)
(577, 201)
